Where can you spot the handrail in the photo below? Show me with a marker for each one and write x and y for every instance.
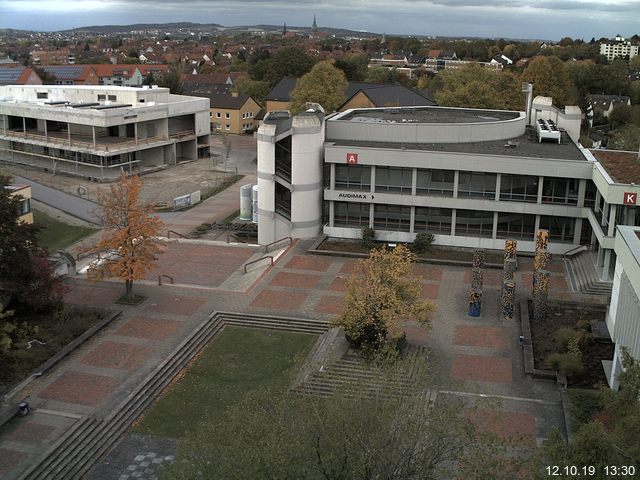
(169, 232)
(164, 275)
(574, 250)
(256, 261)
(266, 247)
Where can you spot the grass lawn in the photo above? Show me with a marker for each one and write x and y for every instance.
(56, 235)
(237, 361)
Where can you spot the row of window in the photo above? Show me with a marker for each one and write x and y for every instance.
(516, 188)
(468, 223)
(228, 115)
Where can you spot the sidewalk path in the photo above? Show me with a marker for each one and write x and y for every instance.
(212, 209)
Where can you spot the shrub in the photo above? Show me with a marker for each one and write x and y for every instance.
(563, 335)
(368, 237)
(566, 363)
(573, 347)
(423, 242)
(203, 227)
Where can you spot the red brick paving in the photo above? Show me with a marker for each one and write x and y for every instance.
(330, 304)
(476, 336)
(177, 305)
(195, 264)
(295, 280)
(507, 425)
(279, 300)
(116, 355)
(9, 459)
(481, 368)
(146, 327)
(430, 291)
(428, 272)
(338, 285)
(348, 266)
(30, 432)
(317, 264)
(556, 282)
(415, 333)
(81, 388)
(490, 277)
(94, 294)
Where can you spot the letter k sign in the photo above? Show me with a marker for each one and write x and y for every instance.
(630, 198)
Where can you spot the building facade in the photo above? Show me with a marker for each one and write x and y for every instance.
(23, 192)
(471, 177)
(623, 315)
(233, 113)
(618, 47)
(95, 131)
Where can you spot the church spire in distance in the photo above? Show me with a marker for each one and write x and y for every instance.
(314, 26)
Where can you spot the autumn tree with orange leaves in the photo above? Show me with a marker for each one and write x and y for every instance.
(382, 294)
(129, 244)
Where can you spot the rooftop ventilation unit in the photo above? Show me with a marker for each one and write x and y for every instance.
(547, 129)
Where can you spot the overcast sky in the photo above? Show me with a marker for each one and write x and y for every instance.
(544, 19)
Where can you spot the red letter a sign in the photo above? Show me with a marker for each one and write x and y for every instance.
(352, 158)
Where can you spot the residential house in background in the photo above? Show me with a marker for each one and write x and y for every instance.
(25, 215)
(71, 74)
(233, 113)
(19, 76)
(604, 104)
(357, 95)
(62, 56)
(126, 75)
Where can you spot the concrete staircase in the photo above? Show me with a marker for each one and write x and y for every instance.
(583, 275)
(352, 371)
(73, 455)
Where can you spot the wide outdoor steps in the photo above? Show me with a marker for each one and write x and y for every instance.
(353, 372)
(584, 277)
(73, 455)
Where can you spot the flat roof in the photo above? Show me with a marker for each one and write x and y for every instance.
(522, 146)
(622, 167)
(428, 114)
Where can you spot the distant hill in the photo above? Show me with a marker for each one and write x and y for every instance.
(145, 26)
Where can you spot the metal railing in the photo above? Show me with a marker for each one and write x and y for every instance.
(573, 251)
(258, 260)
(165, 276)
(266, 247)
(169, 232)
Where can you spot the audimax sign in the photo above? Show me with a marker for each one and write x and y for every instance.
(356, 196)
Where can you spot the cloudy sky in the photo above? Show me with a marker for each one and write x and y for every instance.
(545, 19)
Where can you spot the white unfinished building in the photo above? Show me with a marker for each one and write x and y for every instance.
(95, 131)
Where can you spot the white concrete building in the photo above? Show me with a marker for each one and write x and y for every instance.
(471, 177)
(94, 131)
(618, 47)
(623, 316)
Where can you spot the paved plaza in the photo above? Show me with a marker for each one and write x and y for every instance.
(473, 358)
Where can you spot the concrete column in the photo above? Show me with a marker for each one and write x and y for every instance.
(600, 256)
(135, 132)
(332, 182)
(371, 215)
(24, 127)
(69, 132)
(540, 186)
(46, 132)
(331, 213)
(612, 220)
(412, 220)
(456, 178)
(373, 179)
(494, 231)
(606, 264)
(414, 183)
(582, 189)
(536, 225)
(577, 231)
(93, 133)
(605, 214)
(453, 222)
(498, 183)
